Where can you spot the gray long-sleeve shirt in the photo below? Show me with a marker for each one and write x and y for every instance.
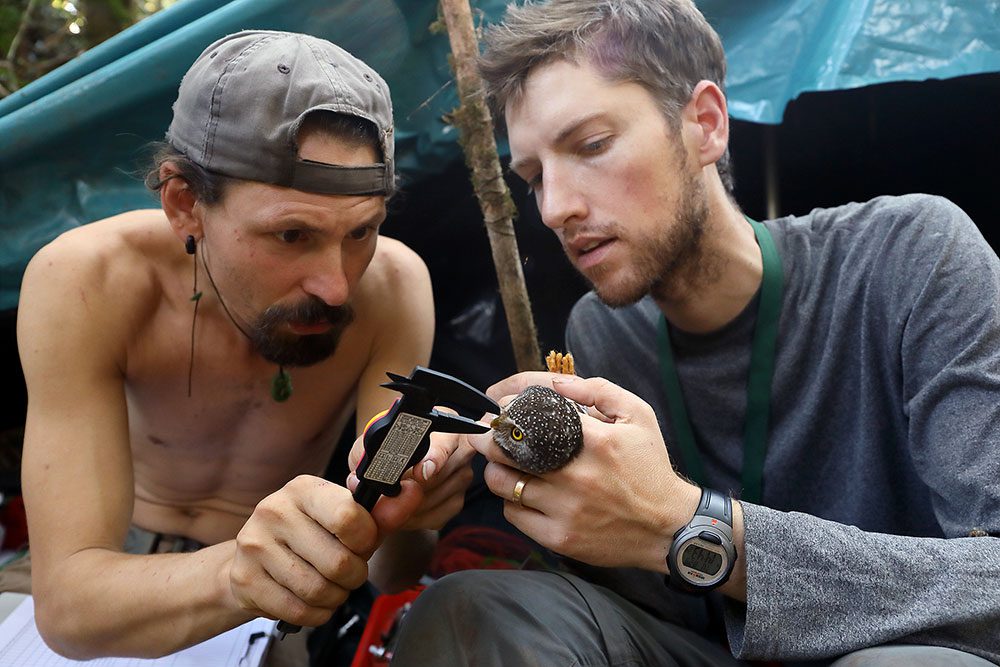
(884, 444)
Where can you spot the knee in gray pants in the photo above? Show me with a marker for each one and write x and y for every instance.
(498, 617)
(910, 656)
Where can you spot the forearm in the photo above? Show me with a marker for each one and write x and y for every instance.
(846, 589)
(152, 605)
(402, 560)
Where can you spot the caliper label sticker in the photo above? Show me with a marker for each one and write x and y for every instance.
(402, 440)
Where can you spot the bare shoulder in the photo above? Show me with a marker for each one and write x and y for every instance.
(395, 298)
(97, 249)
(103, 272)
(396, 274)
(395, 262)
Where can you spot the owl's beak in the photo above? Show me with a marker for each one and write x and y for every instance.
(495, 423)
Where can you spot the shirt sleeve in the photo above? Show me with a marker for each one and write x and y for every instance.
(818, 588)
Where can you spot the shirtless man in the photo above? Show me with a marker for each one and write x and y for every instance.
(156, 412)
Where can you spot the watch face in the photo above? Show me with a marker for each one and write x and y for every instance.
(698, 558)
(702, 563)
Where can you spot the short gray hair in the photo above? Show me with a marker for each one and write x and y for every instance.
(666, 46)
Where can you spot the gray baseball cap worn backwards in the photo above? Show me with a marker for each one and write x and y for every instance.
(240, 106)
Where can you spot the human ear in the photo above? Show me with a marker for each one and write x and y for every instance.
(708, 118)
(179, 203)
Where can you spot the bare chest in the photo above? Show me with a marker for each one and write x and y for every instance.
(211, 456)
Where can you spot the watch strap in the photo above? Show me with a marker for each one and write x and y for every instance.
(675, 582)
(715, 505)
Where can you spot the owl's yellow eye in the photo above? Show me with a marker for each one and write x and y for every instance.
(516, 433)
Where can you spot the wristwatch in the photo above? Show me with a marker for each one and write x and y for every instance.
(702, 555)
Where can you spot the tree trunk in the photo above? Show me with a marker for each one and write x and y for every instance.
(475, 125)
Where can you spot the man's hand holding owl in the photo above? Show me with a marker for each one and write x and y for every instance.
(617, 502)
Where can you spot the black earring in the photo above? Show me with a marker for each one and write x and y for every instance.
(189, 245)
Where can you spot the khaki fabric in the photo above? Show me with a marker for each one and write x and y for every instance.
(15, 576)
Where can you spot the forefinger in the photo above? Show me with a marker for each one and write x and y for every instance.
(332, 507)
(614, 402)
(356, 454)
(515, 384)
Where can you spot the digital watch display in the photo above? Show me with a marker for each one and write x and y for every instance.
(702, 555)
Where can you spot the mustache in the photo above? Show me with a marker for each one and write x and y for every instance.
(603, 229)
(310, 311)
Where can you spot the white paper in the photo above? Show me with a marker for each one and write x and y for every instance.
(22, 646)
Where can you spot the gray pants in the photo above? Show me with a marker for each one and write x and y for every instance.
(910, 656)
(519, 618)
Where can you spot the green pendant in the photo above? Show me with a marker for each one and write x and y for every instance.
(281, 386)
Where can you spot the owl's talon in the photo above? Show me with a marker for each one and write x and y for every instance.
(558, 362)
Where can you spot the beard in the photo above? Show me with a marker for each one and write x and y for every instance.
(671, 254)
(286, 349)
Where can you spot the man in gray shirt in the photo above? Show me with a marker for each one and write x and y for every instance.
(801, 414)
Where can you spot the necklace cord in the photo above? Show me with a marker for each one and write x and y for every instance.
(219, 296)
(281, 383)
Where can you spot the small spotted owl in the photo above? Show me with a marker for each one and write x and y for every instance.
(539, 429)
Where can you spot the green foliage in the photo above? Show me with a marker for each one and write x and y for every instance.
(123, 11)
(57, 31)
(10, 18)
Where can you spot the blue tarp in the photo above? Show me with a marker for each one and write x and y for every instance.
(70, 143)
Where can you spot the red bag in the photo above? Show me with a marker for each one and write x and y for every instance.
(374, 649)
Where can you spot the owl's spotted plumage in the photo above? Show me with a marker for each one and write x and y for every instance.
(539, 429)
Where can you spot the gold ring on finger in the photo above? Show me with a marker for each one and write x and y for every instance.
(515, 497)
